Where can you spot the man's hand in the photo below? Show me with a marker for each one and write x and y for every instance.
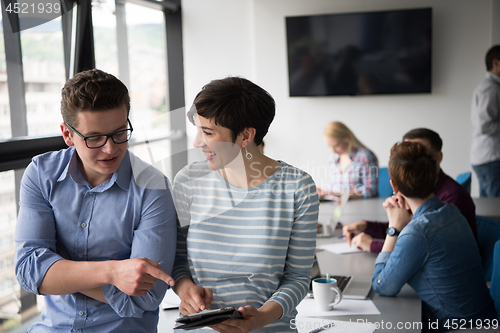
(136, 276)
(363, 241)
(353, 228)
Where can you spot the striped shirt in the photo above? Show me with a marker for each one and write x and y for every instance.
(249, 246)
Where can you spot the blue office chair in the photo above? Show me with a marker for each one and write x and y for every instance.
(384, 186)
(495, 277)
(465, 179)
(488, 234)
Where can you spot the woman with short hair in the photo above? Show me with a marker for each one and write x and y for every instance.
(430, 246)
(248, 222)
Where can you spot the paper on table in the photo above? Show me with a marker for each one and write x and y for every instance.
(170, 301)
(347, 307)
(340, 248)
(306, 325)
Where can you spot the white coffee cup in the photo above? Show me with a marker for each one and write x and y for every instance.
(325, 292)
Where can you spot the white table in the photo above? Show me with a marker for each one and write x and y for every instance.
(406, 307)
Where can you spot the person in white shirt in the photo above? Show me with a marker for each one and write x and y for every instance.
(485, 116)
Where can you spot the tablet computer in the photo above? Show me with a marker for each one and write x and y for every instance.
(206, 318)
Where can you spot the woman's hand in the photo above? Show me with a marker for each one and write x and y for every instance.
(321, 192)
(398, 211)
(193, 298)
(251, 321)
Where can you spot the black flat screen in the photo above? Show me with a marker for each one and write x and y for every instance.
(386, 52)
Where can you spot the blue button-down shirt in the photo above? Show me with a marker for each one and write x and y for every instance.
(437, 254)
(61, 216)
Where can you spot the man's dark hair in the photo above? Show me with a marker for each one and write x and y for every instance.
(92, 90)
(413, 169)
(493, 53)
(236, 103)
(427, 134)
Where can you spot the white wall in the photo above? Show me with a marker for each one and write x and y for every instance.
(247, 38)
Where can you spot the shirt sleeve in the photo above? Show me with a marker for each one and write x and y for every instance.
(35, 236)
(300, 255)
(488, 106)
(376, 246)
(155, 239)
(181, 196)
(376, 229)
(394, 269)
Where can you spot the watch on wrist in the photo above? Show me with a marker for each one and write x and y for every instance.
(392, 231)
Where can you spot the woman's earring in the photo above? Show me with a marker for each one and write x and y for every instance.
(248, 155)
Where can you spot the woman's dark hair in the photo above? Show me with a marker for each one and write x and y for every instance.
(413, 169)
(92, 90)
(235, 103)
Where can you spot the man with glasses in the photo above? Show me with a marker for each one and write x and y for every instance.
(96, 231)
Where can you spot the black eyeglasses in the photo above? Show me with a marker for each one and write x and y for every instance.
(99, 140)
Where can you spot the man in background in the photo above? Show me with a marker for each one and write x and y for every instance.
(485, 116)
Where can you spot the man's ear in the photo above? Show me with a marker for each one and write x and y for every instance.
(66, 133)
(440, 157)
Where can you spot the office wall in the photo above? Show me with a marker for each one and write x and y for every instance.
(247, 38)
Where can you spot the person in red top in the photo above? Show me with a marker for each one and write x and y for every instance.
(368, 235)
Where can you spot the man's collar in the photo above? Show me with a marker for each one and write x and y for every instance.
(121, 177)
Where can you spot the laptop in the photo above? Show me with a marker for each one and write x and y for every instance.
(329, 215)
(352, 287)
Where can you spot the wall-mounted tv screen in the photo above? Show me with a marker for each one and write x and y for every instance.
(383, 52)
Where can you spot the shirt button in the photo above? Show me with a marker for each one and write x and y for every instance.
(81, 313)
(379, 281)
(84, 225)
(80, 256)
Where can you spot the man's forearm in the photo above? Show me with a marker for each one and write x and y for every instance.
(95, 293)
(68, 277)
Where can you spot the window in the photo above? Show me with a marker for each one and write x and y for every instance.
(5, 131)
(44, 76)
(9, 288)
(149, 100)
(104, 22)
(130, 44)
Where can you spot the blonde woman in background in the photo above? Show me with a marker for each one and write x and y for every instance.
(353, 167)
